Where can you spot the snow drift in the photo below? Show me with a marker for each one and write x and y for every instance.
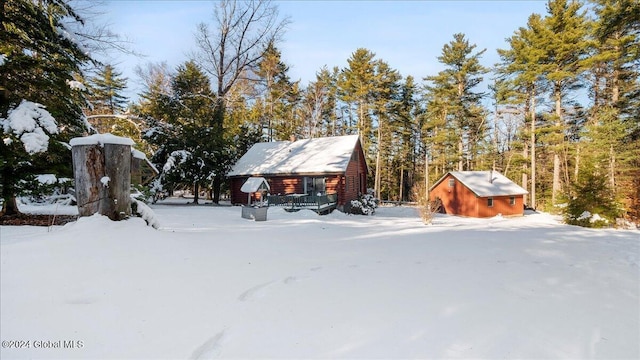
(211, 284)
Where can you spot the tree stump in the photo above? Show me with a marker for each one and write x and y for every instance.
(102, 173)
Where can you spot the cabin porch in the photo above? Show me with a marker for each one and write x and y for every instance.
(322, 204)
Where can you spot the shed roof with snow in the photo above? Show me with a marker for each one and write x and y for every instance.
(325, 155)
(486, 183)
(254, 184)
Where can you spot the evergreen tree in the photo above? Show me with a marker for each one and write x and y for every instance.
(39, 65)
(521, 73)
(593, 204)
(331, 112)
(564, 49)
(613, 66)
(279, 95)
(185, 139)
(356, 86)
(385, 102)
(405, 125)
(106, 92)
(458, 107)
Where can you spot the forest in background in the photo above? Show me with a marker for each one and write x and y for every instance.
(563, 120)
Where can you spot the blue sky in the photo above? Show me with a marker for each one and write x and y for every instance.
(408, 35)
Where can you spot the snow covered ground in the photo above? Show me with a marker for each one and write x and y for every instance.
(210, 284)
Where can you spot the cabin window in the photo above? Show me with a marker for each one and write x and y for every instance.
(512, 200)
(314, 185)
(452, 182)
(490, 202)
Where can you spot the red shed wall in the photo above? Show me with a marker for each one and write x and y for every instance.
(501, 205)
(456, 200)
(459, 200)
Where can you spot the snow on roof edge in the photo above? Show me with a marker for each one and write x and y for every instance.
(316, 156)
(253, 184)
(501, 185)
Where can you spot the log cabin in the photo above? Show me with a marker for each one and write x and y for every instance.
(327, 169)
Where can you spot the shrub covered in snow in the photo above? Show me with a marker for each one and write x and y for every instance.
(140, 209)
(365, 205)
(47, 189)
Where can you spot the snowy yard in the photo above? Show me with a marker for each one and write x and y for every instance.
(210, 284)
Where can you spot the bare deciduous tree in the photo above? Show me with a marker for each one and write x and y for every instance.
(230, 49)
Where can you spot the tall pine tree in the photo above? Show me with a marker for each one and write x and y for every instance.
(564, 50)
(40, 65)
(456, 103)
(106, 92)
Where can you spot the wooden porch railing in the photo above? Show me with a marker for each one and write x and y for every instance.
(318, 203)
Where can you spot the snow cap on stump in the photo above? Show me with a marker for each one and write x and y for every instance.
(101, 139)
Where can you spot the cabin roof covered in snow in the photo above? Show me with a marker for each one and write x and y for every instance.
(327, 155)
(486, 183)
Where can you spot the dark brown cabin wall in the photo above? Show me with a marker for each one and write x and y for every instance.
(354, 183)
(362, 169)
(237, 196)
(332, 184)
(340, 189)
(281, 185)
(352, 186)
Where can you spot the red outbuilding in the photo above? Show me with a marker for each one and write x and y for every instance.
(478, 194)
(317, 169)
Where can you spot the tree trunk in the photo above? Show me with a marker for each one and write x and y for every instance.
(196, 192)
(217, 185)
(103, 180)
(612, 168)
(88, 170)
(218, 133)
(460, 154)
(556, 156)
(118, 168)
(401, 182)
(377, 178)
(525, 181)
(615, 97)
(10, 207)
(576, 171)
(426, 180)
(533, 148)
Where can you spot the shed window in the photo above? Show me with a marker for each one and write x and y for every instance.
(490, 202)
(512, 200)
(452, 182)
